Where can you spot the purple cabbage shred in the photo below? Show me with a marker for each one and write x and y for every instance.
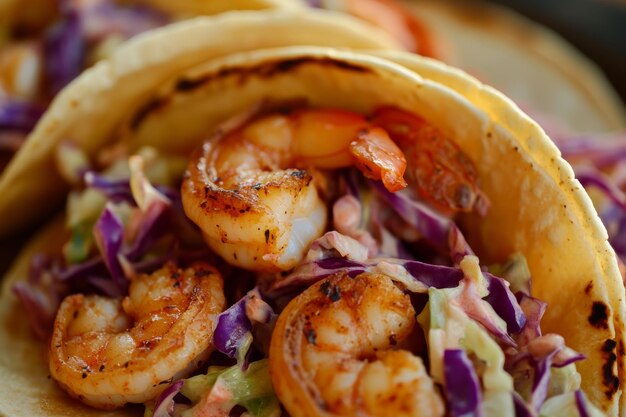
(19, 115)
(109, 237)
(82, 25)
(64, 50)
(521, 408)
(505, 304)
(541, 381)
(581, 403)
(40, 294)
(438, 230)
(116, 191)
(165, 402)
(233, 333)
(463, 392)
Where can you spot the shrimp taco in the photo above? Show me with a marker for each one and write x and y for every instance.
(304, 231)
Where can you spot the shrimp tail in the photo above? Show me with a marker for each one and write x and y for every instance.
(379, 158)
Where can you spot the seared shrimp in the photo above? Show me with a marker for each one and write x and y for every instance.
(332, 353)
(107, 352)
(439, 170)
(250, 194)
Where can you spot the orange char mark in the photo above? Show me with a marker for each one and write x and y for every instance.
(438, 169)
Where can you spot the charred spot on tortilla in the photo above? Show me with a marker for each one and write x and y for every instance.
(267, 69)
(599, 316)
(620, 358)
(188, 84)
(609, 379)
(264, 70)
(144, 111)
(589, 287)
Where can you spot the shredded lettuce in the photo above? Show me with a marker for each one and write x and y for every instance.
(72, 162)
(221, 389)
(451, 328)
(84, 207)
(144, 193)
(516, 272)
(471, 269)
(80, 245)
(563, 380)
(571, 404)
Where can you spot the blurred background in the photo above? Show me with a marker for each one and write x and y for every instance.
(562, 61)
(596, 27)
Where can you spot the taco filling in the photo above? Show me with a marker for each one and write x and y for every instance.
(301, 259)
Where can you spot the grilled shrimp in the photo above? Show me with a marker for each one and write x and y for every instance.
(332, 352)
(439, 170)
(249, 192)
(107, 352)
